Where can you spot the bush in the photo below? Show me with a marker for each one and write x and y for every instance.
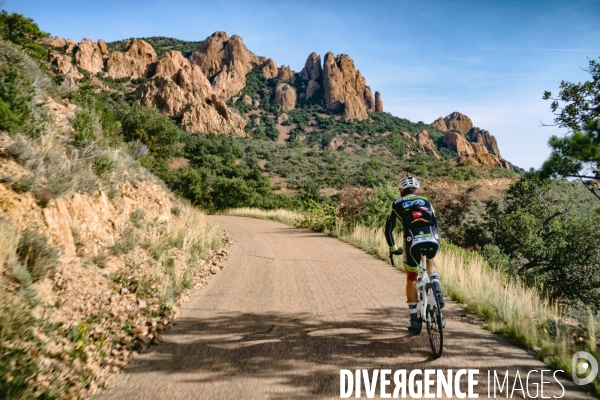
(34, 252)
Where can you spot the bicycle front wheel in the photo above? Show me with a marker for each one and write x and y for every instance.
(434, 324)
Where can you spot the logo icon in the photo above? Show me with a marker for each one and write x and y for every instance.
(581, 367)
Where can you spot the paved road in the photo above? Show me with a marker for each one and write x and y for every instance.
(293, 307)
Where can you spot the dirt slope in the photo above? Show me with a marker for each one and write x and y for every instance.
(291, 309)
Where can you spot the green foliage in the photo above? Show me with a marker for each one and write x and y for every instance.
(577, 108)
(87, 127)
(378, 206)
(16, 99)
(551, 235)
(34, 252)
(317, 217)
(23, 32)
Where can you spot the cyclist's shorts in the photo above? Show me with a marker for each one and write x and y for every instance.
(417, 241)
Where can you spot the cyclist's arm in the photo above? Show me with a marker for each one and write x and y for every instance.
(389, 230)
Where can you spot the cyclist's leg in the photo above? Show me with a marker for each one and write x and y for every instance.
(411, 266)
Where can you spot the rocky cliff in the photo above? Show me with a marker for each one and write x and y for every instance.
(345, 88)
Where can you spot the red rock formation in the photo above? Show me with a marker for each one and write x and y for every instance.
(102, 46)
(285, 74)
(225, 61)
(134, 62)
(458, 143)
(426, 144)
(459, 122)
(484, 140)
(483, 160)
(285, 96)
(88, 56)
(378, 102)
(180, 88)
(269, 70)
(369, 102)
(65, 67)
(344, 86)
(312, 68)
(440, 124)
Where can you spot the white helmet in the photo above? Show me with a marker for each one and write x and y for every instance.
(409, 182)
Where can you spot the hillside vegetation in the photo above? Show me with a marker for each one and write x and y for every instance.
(96, 251)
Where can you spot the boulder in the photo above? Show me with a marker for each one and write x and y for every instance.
(88, 56)
(285, 96)
(312, 68)
(269, 70)
(378, 102)
(71, 45)
(344, 87)
(134, 62)
(334, 144)
(426, 144)
(285, 74)
(215, 117)
(458, 143)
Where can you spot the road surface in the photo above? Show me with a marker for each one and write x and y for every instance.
(289, 310)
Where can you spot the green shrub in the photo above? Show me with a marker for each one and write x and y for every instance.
(34, 252)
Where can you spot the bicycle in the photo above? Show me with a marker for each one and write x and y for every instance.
(428, 307)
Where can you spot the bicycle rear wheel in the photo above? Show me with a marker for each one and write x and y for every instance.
(434, 324)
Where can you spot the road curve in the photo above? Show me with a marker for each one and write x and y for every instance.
(289, 310)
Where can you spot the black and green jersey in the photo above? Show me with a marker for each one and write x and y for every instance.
(413, 211)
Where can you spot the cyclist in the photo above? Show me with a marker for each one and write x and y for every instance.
(419, 223)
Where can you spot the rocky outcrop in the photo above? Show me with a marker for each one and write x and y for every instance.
(285, 96)
(378, 102)
(312, 88)
(102, 46)
(484, 142)
(54, 41)
(479, 140)
(226, 61)
(369, 102)
(64, 66)
(269, 70)
(285, 74)
(458, 143)
(219, 51)
(440, 124)
(170, 64)
(344, 87)
(187, 92)
(247, 100)
(134, 62)
(229, 81)
(88, 56)
(426, 144)
(459, 122)
(312, 68)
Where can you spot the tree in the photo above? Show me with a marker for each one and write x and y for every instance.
(23, 32)
(577, 154)
(551, 237)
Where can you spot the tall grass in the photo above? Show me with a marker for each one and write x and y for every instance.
(507, 305)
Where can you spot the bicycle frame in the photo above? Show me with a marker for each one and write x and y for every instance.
(422, 282)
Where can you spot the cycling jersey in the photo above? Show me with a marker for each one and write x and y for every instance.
(419, 223)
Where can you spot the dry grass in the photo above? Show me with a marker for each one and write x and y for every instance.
(285, 216)
(508, 306)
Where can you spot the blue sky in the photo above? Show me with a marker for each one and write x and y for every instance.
(490, 60)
